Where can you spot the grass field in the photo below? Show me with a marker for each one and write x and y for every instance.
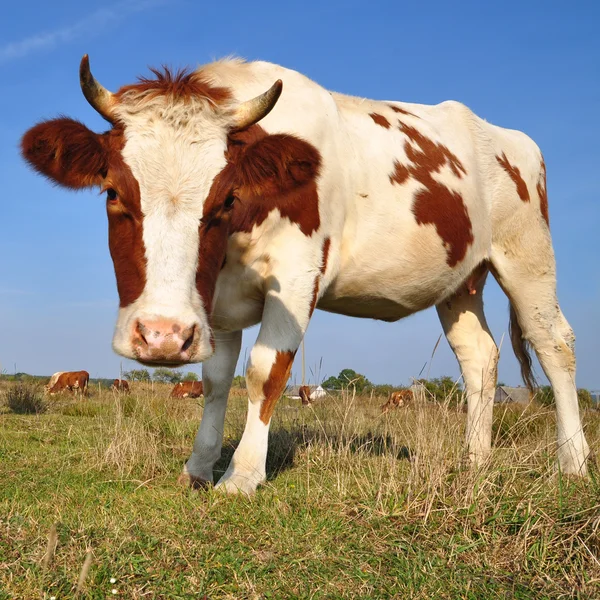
(358, 505)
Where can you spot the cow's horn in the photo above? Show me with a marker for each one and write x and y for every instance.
(254, 110)
(98, 96)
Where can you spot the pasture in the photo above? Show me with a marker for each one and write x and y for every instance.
(357, 505)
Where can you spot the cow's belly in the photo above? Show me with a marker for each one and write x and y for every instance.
(366, 307)
(397, 280)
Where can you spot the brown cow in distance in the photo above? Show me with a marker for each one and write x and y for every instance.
(304, 393)
(70, 381)
(120, 385)
(188, 389)
(397, 400)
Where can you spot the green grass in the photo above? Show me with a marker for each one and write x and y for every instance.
(357, 505)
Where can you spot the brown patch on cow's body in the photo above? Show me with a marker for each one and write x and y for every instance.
(399, 174)
(542, 193)
(182, 85)
(436, 204)
(380, 120)
(402, 111)
(515, 174)
(431, 156)
(277, 172)
(268, 173)
(275, 383)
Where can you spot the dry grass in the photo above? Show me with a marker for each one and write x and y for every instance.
(25, 398)
(357, 505)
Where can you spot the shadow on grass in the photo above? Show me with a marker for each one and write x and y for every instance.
(284, 443)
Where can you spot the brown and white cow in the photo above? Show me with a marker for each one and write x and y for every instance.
(120, 385)
(68, 381)
(188, 389)
(229, 206)
(397, 399)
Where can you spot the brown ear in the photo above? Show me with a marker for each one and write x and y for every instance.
(276, 165)
(66, 152)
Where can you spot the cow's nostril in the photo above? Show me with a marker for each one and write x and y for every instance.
(189, 340)
(140, 331)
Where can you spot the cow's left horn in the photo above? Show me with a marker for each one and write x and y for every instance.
(252, 111)
(98, 96)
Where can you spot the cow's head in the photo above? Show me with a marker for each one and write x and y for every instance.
(179, 178)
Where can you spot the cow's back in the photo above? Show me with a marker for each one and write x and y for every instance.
(406, 193)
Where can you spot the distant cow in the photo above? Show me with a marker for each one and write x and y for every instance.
(397, 400)
(70, 381)
(185, 389)
(304, 393)
(120, 385)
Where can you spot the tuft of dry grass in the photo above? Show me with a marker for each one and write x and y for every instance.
(25, 398)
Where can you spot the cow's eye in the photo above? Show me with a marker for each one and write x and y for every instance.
(111, 195)
(228, 204)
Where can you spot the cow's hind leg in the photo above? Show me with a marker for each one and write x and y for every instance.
(217, 375)
(525, 269)
(465, 327)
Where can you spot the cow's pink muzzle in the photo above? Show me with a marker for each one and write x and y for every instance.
(164, 341)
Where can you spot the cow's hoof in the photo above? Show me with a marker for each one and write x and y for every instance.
(237, 484)
(193, 481)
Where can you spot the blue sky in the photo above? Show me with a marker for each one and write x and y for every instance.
(531, 66)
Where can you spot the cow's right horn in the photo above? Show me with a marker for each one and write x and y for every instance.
(252, 111)
(98, 96)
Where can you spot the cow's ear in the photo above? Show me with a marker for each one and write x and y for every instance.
(66, 152)
(277, 164)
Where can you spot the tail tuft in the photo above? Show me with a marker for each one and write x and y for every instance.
(521, 350)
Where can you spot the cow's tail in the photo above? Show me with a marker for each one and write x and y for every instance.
(521, 349)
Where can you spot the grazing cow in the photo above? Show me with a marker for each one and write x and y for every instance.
(228, 206)
(397, 400)
(120, 385)
(304, 393)
(185, 389)
(68, 381)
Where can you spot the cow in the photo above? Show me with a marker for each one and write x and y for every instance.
(120, 385)
(231, 203)
(397, 399)
(68, 381)
(304, 393)
(185, 389)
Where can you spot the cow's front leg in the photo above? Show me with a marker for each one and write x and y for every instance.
(283, 326)
(217, 374)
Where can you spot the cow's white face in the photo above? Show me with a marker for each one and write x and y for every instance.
(183, 167)
(166, 318)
